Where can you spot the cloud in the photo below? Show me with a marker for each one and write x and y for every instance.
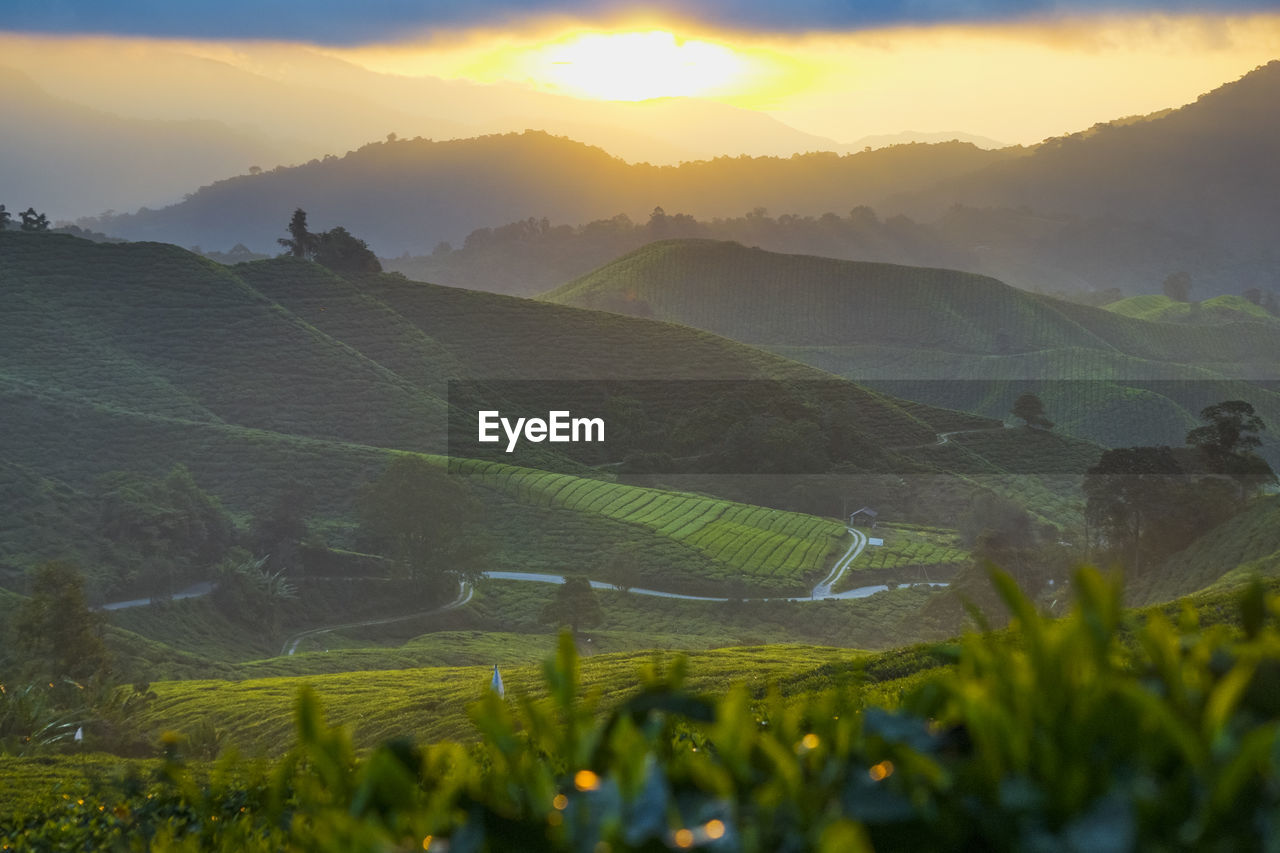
(363, 21)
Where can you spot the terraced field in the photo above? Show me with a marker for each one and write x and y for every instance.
(431, 703)
(767, 549)
(908, 546)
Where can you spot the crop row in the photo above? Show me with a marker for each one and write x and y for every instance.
(750, 540)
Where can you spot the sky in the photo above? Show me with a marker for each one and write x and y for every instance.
(1015, 72)
(335, 22)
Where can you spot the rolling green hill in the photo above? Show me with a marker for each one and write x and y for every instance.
(769, 299)
(1104, 376)
(1243, 546)
(137, 357)
(1219, 309)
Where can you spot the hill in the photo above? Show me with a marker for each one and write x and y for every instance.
(772, 299)
(1087, 212)
(1218, 310)
(946, 337)
(1242, 547)
(1219, 147)
(139, 357)
(1096, 258)
(410, 194)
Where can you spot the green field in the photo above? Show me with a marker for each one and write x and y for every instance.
(909, 546)
(770, 299)
(1219, 309)
(764, 548)
(430, 704)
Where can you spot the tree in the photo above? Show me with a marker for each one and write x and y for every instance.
(33, 221)
(425, 518)
(249, 592)
(278, 530)
(161, 528)
(5, 216)
(338, 250)
(1177, 286)
(1030, 409)
(574, 605)
(300, 242)
(1254, 295)
(1233, 428)
(1226, 444)
(56, 630)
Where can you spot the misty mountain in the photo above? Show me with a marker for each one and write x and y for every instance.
(64, 158)
(286, 97)
(408, 195)
(1096, 260)
(883, 140)
(534, 255)
(1208, 170)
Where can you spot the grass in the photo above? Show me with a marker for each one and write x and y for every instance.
(1220, 309)
(1248, 543)
(763, 548)
(1116, 377)
(771, 299)
(430, 703)
(909, 547)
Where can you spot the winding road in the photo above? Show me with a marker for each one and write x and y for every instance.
(820, 592)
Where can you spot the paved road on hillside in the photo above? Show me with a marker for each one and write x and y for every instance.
(945, 437)
(820, 592)
(193, 591)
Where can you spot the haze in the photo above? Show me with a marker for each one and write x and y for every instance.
(654, 89)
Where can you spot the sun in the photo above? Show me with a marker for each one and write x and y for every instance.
(634, 66)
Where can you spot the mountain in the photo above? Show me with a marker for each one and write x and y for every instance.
(1095, 260)
(282, 98)
(408, 195)
(948, 338)
(883, 140)
(1207, 169)
(65, 159)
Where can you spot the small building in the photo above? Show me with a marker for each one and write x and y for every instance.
(864, 516)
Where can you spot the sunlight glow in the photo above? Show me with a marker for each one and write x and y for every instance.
(633, 66)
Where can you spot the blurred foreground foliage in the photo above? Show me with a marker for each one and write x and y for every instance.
(1087, 732)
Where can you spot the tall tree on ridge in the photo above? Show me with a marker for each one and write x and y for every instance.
(300, 242)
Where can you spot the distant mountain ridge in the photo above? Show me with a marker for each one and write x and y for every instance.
(1207, 169)
(408, 195)
(62, 157)
(1120, 205)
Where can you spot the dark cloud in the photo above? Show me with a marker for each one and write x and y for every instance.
(356, 21)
